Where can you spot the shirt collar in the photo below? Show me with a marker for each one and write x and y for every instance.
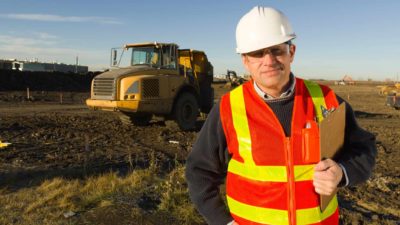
(286, 93)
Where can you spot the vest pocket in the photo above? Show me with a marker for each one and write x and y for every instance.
(310, 146)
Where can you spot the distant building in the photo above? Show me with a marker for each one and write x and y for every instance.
(5, 64)
(49, 67)
(348, 80)
(35, 66)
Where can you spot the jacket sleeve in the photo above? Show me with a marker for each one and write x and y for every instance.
(206, 168)
(359, 150)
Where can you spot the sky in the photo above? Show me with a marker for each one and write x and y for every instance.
(360, 38)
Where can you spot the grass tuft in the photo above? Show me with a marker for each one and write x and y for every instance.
(143, 195)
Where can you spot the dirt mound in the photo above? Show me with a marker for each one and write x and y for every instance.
(11, 80)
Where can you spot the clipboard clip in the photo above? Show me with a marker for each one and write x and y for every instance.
(326, 112)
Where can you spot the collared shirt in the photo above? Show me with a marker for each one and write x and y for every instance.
(286, 93)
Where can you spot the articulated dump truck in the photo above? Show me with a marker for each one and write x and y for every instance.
(155, 79)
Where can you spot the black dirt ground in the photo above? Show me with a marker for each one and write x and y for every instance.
(54, 134)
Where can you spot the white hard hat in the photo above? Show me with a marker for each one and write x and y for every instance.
(262, 27)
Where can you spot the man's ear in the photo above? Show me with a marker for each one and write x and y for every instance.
(245, 62)
(292, 51)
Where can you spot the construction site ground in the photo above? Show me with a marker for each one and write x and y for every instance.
(54, 135)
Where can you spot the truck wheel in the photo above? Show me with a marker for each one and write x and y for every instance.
(130, 119)
(186, 111)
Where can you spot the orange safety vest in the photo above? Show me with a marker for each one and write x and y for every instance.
(269, 179)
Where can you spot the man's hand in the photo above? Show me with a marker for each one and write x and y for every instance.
(235, 223)
(327, 175)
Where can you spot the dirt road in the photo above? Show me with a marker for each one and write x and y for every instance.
(50, 139)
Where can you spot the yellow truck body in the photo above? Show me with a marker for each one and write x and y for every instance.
(160, 79)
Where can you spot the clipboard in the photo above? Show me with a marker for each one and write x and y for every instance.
(331, 131)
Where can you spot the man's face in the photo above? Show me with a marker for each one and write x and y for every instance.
(270, 67)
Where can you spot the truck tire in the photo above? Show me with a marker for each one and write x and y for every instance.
(186, 111)
(133, 119)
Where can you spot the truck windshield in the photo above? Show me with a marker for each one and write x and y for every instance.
(146, 55)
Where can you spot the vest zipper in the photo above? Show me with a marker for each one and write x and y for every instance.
(292, 207)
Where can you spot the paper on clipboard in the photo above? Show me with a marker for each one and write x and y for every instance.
(331, 131)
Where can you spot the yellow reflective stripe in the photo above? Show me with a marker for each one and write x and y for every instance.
(259, 173)
(280, 217)
(270, 173)
(258, 214)
(303, 172)
(240, 123)
(317, 97)
(314, 215)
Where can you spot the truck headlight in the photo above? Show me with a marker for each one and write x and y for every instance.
(131, 91)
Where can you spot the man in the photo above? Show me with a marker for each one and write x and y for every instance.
(254, 137)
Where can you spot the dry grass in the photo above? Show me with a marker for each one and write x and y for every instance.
(104, 199)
